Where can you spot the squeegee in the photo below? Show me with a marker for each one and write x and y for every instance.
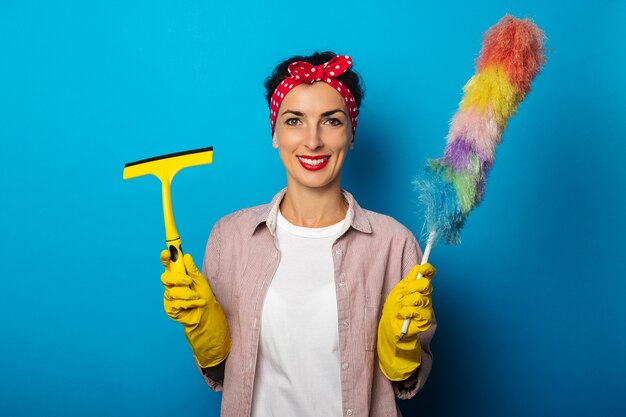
(165, 167)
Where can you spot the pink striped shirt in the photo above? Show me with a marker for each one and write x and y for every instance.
(370, 257)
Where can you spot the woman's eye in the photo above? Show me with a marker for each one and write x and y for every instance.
(292, 121)
(334, 122)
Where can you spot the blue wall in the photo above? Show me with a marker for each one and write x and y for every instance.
(531, 305)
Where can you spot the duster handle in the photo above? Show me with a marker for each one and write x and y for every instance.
(429, 245)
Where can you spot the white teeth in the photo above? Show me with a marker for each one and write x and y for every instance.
(313, 162)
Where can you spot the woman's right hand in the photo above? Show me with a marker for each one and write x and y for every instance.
(409, 298)
(189, 300)
(186, 295)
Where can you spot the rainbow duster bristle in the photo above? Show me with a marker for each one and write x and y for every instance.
(450, 187)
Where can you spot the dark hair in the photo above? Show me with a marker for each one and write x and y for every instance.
(350, 78)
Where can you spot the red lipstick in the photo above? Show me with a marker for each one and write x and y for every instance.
(310, 162)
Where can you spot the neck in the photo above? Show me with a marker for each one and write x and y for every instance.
(314, 207)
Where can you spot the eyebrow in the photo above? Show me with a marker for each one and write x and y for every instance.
(326, 113)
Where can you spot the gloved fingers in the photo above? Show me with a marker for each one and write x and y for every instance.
(418, 326)
(181, 293)
(176, 305)
(417, 313)
(199, 282)
(184, 311)
(192, 269)
(165, 258)
(186, 317)
(174, 279)
(416, 300)
(419, 323)
(428, 270)
(422, 286)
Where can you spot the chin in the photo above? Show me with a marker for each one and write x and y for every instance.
(318, 183)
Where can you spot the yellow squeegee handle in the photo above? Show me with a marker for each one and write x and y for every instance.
(172, 238)
(176, 256)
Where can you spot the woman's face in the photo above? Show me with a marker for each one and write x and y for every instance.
(312, 135)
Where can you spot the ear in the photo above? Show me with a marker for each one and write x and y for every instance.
(275, 140)
(351, 144)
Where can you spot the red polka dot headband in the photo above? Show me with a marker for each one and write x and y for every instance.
(304, 72)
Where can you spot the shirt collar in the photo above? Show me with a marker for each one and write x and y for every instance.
(356, 217)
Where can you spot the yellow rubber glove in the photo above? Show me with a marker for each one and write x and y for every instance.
(410, 298)
(189, 300)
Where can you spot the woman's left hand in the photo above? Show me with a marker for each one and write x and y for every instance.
(410, 298)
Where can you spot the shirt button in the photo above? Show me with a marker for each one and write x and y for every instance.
(349, 412)
(339, 251)
(344, 365)
(345, 323)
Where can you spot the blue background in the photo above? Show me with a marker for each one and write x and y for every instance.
(530, 306)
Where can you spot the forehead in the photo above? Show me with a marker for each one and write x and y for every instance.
(313, 98)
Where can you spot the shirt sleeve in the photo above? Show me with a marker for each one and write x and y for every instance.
(412, 255)
(210, 270)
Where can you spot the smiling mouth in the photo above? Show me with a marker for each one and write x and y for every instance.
(313, 163)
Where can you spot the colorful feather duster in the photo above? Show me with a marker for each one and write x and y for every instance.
(512, 55)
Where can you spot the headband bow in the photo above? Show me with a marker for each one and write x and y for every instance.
(304, 72)
(311, 73)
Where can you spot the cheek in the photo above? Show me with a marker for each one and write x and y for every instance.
(340, 140)
(288, 138)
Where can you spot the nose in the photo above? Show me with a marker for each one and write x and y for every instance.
(313, 140)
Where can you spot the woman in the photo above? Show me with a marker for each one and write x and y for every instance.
(290, 318)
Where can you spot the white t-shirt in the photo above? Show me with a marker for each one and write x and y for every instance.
(297, 370)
